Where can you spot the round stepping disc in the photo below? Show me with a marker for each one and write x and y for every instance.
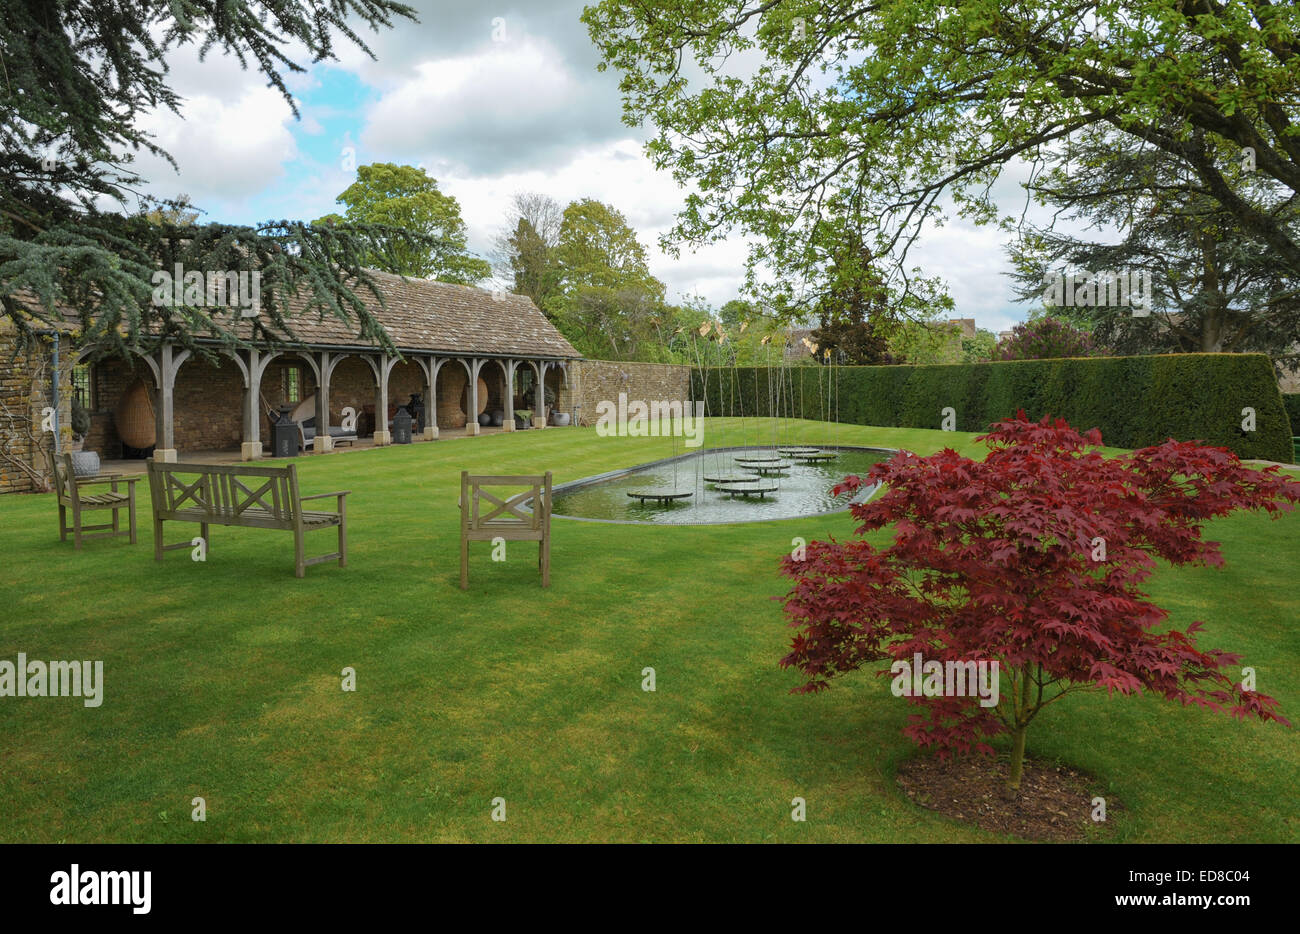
(774, 467)
(796, 451)
(730, 477)
(660, 496)
(819, 456)
(748, 488)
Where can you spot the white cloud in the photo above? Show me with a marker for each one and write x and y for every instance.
(231, 149)
(501, 107)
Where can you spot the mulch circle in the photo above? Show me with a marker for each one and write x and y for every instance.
(1055, 801)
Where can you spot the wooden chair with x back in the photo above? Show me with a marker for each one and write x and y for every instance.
(485, 516)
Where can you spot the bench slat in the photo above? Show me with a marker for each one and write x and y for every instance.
(254, 518)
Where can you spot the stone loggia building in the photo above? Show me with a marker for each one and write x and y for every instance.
(456, 345)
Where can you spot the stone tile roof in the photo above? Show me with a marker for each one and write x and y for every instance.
(432, 317)
(424, 315)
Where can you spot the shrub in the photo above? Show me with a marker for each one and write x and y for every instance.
(1034, 559)
(1046, 338)
(80, 419)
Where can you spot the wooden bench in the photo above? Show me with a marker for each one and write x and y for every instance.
(246, 497)
(507, 519)
(72, 493)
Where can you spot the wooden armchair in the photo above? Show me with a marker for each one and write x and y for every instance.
(72, 493)
(506, 519)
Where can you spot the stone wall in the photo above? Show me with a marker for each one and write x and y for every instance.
(207, 401)
(24, 392)
(109, 380)
(208, 406)
(593, 381)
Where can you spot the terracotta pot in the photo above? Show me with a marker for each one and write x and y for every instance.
(134, 417)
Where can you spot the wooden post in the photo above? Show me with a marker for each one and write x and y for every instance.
(323, 442)
(343, 531)
(157, 498)
(509, 366)
(71, 476)
(130, 492)
(471, 397)
(539, 410)
(382, 434)
(544, 508)
(168, 365)
(299, 551)
(251, 447)
(464, 530)
(431, 366)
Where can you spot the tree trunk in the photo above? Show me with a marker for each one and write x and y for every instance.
(1023, 715)
(1216, 308)
(1017, 761)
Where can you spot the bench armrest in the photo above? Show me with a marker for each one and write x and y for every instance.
(111, 478)
(340, 494)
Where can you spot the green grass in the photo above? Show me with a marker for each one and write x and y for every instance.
(223, 679)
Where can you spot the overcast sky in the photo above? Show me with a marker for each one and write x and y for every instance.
(490, 99)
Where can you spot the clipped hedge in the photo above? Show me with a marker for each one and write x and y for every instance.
(1135, 401)
(1292, 402)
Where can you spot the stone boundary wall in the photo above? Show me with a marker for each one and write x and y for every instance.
(594, 381)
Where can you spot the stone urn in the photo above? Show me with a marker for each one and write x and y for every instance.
(85, 463)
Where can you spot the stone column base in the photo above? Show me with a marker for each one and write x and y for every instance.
(322, 444)
(165, 455)
(250, 451)
(431, 433)
(508, 424)
(383, 438)
(539, 421)
(471, 428)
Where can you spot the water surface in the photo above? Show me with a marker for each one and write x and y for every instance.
(802, 490)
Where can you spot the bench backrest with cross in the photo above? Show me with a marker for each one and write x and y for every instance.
(486, 515)
(226, 494)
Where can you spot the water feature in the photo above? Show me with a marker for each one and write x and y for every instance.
(803, 488)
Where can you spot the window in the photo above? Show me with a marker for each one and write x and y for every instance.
(83, 383)
(293, 384)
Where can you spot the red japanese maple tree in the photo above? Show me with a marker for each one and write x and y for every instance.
(1032, 558)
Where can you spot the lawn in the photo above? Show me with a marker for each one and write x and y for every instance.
(223, 679)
